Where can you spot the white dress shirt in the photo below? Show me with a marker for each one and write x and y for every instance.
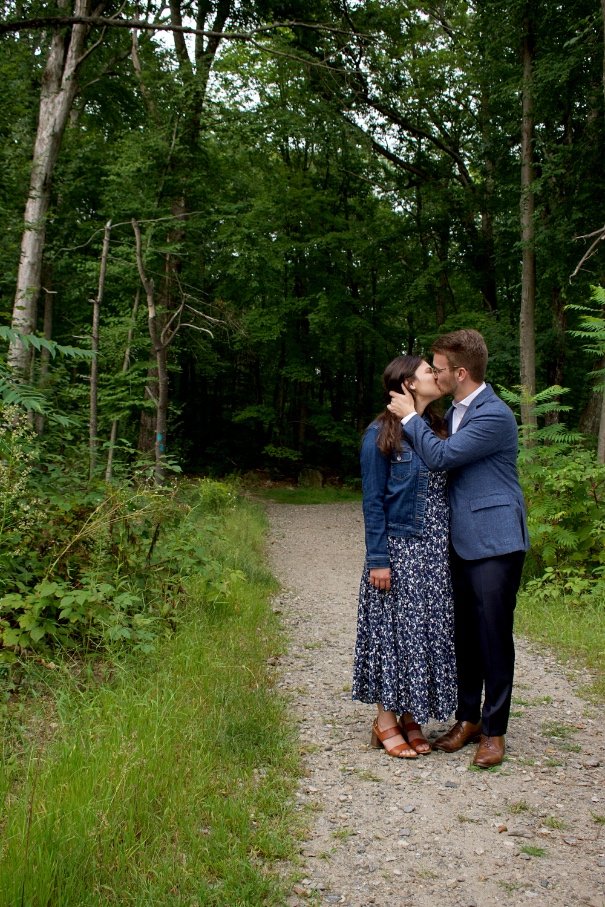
(461, 406)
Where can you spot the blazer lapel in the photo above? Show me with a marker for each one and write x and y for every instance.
(479, 400)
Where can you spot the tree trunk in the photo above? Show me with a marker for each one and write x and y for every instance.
(162, 412)
(59, 87)
(94, 366)
(161, 362)
(39, 420)
(527, 341)
(603, 21)
(555, 366)
(146, 439)
(125, 366)
(601, 436)
(488, 283)
(442, 290)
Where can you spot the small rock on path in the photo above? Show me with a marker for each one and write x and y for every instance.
(431, 831)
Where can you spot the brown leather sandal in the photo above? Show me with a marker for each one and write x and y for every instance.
(412, 732)
(400, 751)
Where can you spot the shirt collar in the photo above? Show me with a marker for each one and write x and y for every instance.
(468, 400)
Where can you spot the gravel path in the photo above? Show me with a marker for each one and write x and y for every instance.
(431, 831)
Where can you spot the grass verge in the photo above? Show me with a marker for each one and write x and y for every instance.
(300, 495)
(172, 785)
(570, 631)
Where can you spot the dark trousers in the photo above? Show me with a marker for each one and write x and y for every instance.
(485, 594)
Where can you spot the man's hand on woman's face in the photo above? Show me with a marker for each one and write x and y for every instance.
(401, 405)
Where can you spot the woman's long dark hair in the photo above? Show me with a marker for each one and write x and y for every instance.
(389, 434)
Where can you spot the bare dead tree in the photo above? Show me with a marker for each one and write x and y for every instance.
(163, 328)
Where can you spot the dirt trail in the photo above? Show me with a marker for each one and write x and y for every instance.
(431, 831)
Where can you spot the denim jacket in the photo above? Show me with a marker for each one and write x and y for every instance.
(394, 495)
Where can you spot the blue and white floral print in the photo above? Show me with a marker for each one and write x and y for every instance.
(404, 655)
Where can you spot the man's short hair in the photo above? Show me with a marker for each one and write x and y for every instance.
(464, 348)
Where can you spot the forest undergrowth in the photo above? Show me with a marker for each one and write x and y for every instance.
(158, 774)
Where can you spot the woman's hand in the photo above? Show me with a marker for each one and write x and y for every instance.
(380, 578)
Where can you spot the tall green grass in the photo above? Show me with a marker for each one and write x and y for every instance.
(172, 785)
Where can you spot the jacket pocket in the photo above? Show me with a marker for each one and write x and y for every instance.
(401, 464)
(491, 500)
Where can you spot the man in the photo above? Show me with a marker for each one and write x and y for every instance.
(488, 536)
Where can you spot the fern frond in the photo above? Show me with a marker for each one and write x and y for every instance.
(40, 343)
(558, 433)
(23, 395)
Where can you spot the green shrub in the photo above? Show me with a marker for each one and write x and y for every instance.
(21, 516)
(564, 486)
(114, 574)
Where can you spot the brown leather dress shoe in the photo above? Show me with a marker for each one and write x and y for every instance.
(489, 752)
(462, 733)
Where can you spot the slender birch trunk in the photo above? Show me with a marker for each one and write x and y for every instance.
(59, 88)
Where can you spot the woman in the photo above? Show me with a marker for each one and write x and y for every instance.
(404, 655)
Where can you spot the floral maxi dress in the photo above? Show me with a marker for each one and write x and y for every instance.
(404, 653)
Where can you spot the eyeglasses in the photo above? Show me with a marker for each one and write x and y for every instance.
(437, 371)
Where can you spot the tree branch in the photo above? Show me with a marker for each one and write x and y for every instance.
(399, 120)
(600, 236)
(58, 22)
(389, 155)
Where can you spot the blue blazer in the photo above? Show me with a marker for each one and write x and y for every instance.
(487, 510)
